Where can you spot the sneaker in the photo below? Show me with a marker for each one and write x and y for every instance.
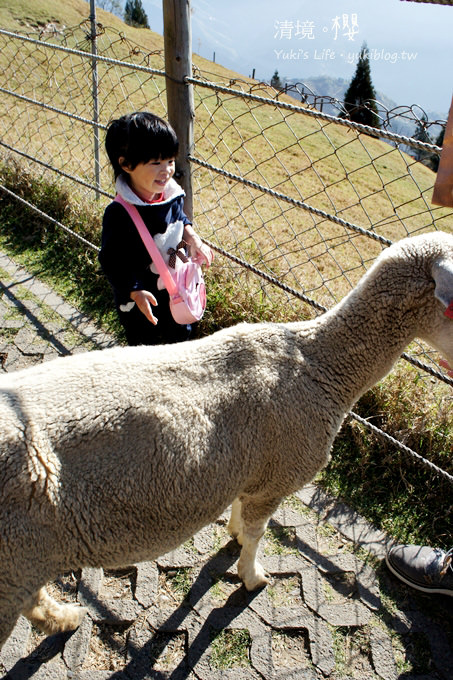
(427, 569)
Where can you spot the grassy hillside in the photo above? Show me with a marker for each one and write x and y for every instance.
(355, 177)
(24, 16)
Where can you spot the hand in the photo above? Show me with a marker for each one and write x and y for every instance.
(444, 363)
(198, 250)
(144, 299)
(202, 254)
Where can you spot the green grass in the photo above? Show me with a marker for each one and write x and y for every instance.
(386, 486)
(351, 649)
(230, 649)
(55, 256)
(280, 541)
(180, 581)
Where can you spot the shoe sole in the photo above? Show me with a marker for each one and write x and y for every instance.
(424, 589)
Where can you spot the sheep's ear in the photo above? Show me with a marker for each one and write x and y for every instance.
(443, 277)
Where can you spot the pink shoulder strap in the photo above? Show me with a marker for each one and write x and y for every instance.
(151, 247)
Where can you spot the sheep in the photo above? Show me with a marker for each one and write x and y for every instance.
(117, 456)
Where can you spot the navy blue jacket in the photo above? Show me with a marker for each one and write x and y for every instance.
(123, 257)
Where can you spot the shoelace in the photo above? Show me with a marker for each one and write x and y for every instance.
(447, 562)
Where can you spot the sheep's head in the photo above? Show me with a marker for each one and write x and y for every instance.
(441, 332)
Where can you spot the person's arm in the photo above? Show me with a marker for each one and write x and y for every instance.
(117, 255)
(122, 259)
(199, 251)
(144, 299)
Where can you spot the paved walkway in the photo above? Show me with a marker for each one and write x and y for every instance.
(331, 611)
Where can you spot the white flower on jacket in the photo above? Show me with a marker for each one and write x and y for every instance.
(168, 243)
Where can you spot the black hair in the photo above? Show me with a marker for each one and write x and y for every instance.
(139, 138)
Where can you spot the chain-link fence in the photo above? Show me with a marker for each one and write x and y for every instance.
(297, 201)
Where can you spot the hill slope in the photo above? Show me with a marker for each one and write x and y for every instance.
(353, 176)
(23, 16)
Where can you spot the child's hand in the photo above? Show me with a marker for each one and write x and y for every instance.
(199, 251)
(202, 254)
(144, 299)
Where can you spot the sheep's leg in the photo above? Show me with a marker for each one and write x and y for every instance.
(235, 526)
(50, 616)
(255, 516)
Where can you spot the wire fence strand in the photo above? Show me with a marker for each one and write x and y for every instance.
(301, 199)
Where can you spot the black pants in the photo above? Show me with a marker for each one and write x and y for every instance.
(140, 331)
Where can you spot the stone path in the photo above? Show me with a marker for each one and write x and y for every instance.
(331, 610)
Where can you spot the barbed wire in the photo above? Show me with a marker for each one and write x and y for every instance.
(372, 428)
(230, 146)
(360, 127)
(85, 55)
(414, 114)
(287, 199)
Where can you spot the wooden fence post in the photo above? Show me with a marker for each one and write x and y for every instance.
(180, 105)
(95, 93)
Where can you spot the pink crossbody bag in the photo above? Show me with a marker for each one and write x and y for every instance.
(186, 287)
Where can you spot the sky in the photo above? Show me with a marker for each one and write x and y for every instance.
(410, 43)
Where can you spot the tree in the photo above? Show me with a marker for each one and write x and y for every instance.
(434, 164)
(359, 98)
(134, 14)
(421, 135)
(113, 6)
(276, 82)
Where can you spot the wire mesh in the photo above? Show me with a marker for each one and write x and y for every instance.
(300, 196)
(48, 95)
(299, 201)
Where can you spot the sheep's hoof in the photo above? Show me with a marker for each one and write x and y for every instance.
(73, 616)
(255, 579)
(56, 618)
(257, 583)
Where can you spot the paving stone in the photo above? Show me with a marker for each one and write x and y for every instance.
(441, 649)
(16, 645)
(76, 648)
(345, 614)
(11, 324)
(382, 654)
(179, 558)
(89, 586)
(43, 663)
(99, 675)
(146, 584)
(368, 587)
(203, 541)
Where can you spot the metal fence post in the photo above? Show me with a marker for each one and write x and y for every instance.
(180, 104)
(94, 80)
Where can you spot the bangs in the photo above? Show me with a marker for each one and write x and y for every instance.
(161, 147)
(151, 138)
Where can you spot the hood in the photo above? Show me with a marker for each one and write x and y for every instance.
(171, 191)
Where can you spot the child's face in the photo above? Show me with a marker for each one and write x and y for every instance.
(150, 179)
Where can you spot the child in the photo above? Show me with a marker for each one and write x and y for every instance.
(142, 149)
